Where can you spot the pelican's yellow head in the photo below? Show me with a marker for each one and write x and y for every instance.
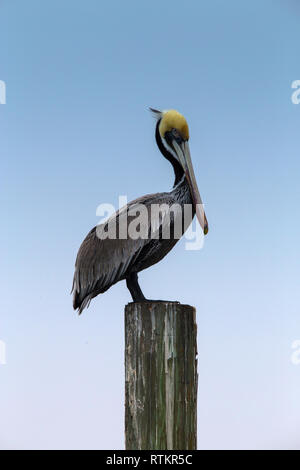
(171, 121)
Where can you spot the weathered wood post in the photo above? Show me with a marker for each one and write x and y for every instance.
(160, 376)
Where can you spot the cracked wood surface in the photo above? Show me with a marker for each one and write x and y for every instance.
(160, 376)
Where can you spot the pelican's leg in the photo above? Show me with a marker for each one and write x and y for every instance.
(134, 288)
(136, 292)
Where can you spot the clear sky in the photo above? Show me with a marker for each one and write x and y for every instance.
(75, 132)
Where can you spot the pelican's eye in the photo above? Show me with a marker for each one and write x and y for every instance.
(173, 135)
(176, 135)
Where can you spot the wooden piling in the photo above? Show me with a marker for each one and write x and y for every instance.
(160, 376)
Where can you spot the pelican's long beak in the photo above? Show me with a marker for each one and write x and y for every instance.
(184, 156)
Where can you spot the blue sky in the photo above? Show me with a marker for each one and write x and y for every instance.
(75, 132)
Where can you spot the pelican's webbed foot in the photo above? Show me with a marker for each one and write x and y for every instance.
(159, 300)
(136, 292)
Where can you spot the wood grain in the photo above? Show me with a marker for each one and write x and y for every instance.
(160, 376)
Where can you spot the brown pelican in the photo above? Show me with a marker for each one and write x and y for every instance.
(102, 261)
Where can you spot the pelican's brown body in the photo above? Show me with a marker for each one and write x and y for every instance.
(101, 263)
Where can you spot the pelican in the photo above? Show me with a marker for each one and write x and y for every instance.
(103, 261)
